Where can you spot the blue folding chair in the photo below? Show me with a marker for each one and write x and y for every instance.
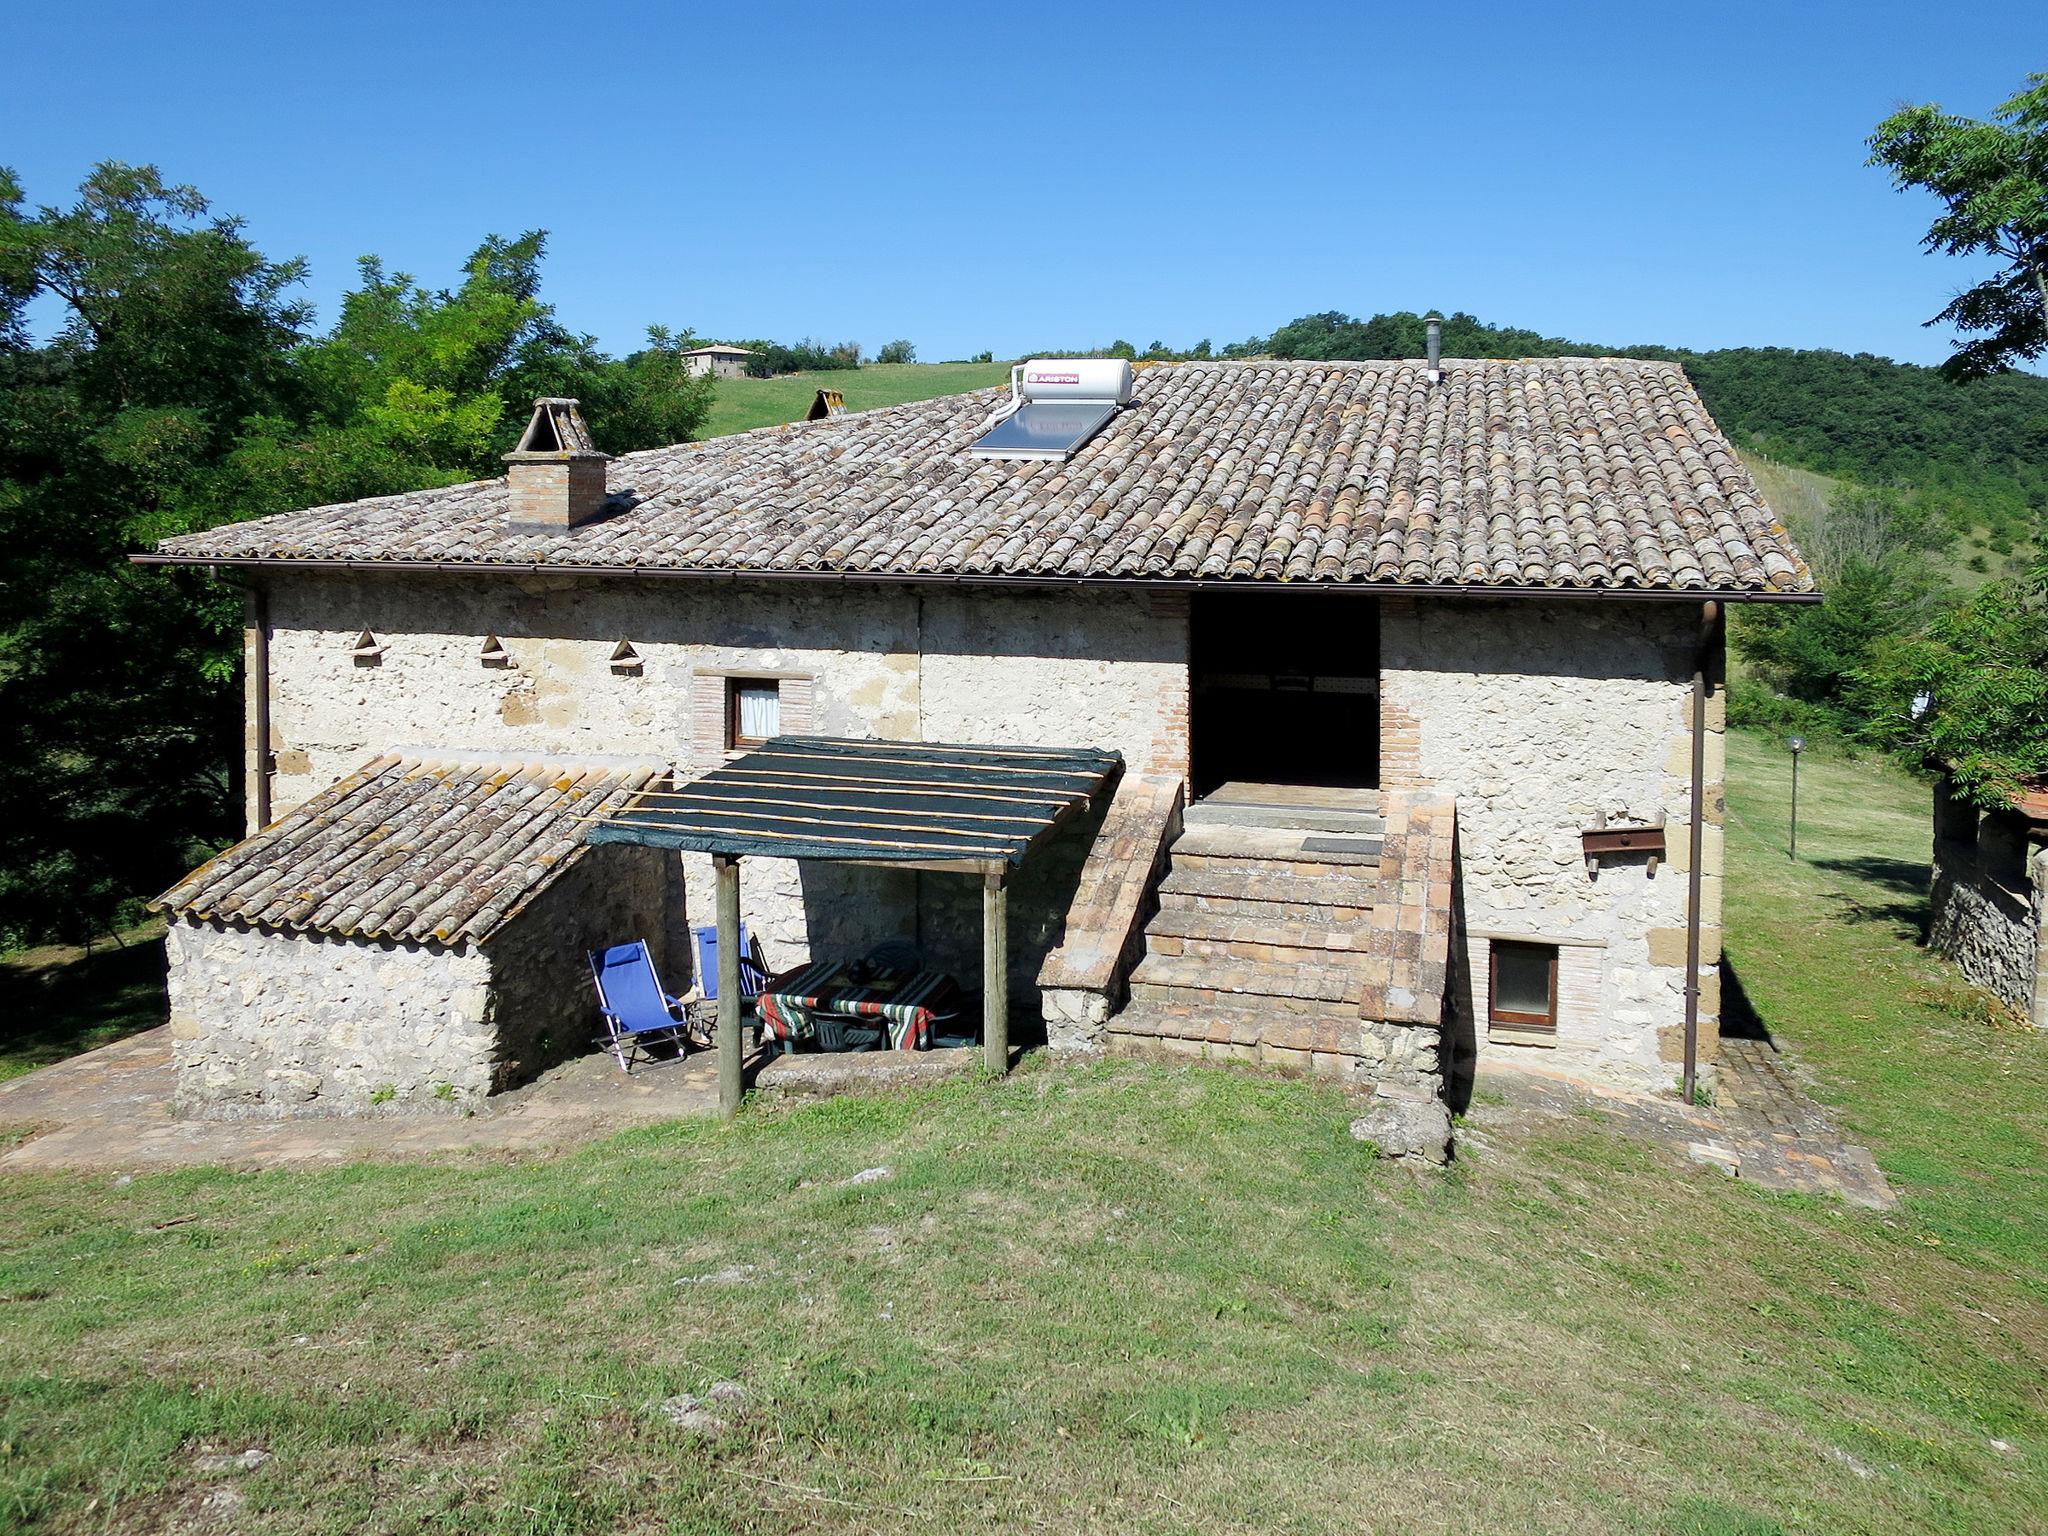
(753, 965)
(638, 1013)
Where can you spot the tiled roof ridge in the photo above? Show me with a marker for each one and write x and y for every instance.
(1560, 473)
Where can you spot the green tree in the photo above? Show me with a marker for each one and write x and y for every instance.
(116, 709)
(1992, 177)
(415, 388)
(1969, 695)
(897, 352)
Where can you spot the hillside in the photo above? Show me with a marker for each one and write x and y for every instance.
(742, 404)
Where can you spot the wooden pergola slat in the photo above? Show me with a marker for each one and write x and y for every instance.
(892, 804)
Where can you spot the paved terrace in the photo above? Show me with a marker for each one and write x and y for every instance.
(109, 1109)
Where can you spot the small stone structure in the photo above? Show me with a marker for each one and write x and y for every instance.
(413, 937)
(1989, 906)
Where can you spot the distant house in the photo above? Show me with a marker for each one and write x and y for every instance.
(719, 360)
(1386, 697)
(1989, 909)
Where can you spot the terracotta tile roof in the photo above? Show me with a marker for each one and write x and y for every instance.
(1554, 473)
(412, 846)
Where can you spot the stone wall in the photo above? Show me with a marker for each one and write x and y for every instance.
(272, 1025)
(1538, 718)
(268, 1025)
(542, 1007)
(1095, 669)
(1987, 910)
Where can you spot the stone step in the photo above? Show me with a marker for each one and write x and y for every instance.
(1300, 818)
(1247, 881)
(1268, 930)
(1266, 911)
(1158, 978)
(1255, 1028)
(1280, 956)
(1279, 844)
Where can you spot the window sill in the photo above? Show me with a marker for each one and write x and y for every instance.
(1520, 1034)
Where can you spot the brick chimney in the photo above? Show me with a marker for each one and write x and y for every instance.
(556, 474)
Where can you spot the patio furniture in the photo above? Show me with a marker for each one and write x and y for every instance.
(896, 956)
(792, 1006)
(638, 1012)
(703, 997)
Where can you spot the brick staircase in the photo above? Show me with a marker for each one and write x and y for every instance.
(1273, 905)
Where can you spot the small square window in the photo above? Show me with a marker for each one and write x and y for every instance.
(1522, 986)
(753, 710)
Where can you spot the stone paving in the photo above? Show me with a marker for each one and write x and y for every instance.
(110, 1109)
(1762, 1127)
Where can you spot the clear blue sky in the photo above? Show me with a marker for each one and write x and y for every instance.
(1041, 174)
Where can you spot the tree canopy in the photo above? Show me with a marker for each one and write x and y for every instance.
(1969, 694)
(1991, 176)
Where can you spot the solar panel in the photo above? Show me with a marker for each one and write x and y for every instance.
(1044, 429)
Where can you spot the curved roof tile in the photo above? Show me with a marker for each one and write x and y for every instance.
(1566, 473)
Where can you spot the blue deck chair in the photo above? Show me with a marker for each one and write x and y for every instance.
(638, 1013)
(753, 966)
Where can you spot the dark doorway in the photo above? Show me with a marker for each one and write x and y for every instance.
(1285, 690)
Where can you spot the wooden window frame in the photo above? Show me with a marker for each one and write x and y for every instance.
(735, 739)
(1516, 1019)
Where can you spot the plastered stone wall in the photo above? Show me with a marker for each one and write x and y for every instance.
(1063, 668)
(274, 1025)
(542, 1003)
(270, 1025)
(1538, 717)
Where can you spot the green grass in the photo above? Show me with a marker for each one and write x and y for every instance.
(58, 1001)
(1796, 495)
(1947, 1088)
(1108, 1299)
(742, 404)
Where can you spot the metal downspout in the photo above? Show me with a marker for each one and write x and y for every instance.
(256, 615)
(1710, 623)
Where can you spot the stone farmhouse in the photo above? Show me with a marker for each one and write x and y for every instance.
(719, 360)
(1409, 675)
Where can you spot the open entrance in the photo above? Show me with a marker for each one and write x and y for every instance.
(1285, 690)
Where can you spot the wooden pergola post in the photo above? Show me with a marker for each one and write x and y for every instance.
(728, 867)
(995, 972)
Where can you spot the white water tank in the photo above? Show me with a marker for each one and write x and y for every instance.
(1077, 378)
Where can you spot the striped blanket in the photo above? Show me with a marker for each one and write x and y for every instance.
(907, 1004)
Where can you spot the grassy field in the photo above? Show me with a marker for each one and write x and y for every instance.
(1109, 1299)
(58, 1000)
(742, 404)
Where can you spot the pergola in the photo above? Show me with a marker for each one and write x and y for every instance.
(898, 804)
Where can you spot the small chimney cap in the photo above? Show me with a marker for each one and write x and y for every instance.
(557, 431)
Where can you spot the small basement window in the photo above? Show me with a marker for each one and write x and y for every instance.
(1521, 992)
(753, 710)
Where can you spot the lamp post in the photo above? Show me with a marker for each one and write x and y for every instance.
(1798, 745)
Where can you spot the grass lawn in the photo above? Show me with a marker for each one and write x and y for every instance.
(57, 1001)
(745, 403)
(1105, 1299)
